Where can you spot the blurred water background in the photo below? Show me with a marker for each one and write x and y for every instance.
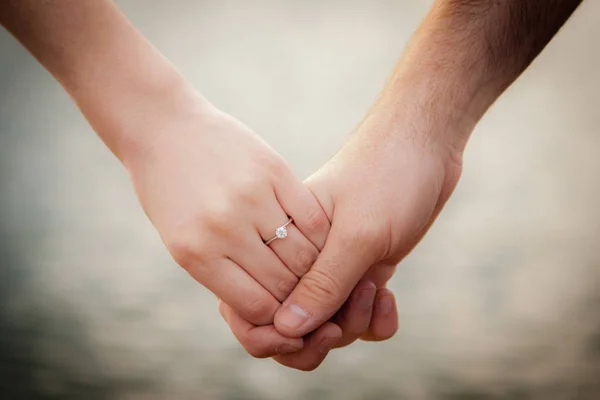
(500, 301)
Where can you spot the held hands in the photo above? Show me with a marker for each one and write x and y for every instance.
(212, 188)
(216, 192)
(381, 194)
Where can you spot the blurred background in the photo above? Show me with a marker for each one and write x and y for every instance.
(500, 301)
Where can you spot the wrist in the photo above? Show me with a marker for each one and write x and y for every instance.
(129, 93)
(121, 83)
(137, 125)
(425, 108)
(439, 89)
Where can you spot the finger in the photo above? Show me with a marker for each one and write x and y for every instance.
(234, 286)
(295, 251)
(355, 316)
(316, 347)
(265, 267)
(298, 202)
(384, 322)
(326, 286)
(259, 341)
(380, 273)
(293, 248)
(283, 238)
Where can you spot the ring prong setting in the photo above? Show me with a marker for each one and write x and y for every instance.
(281, 232)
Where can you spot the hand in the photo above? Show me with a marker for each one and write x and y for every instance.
(359, 317)
(376, 322)
(215, 192)
(379, 211)
(382, 190)
(369, 313)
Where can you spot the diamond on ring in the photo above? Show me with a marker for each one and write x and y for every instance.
(280, 233)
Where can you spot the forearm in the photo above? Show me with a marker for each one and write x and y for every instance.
(461, 59)
(104, 63)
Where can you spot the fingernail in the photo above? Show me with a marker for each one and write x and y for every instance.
(292, 316)
(365, 298)
(385, 305)
(286, 349)
(327, 344)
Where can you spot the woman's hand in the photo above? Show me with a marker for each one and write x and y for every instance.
(213, 189)
(216, 192)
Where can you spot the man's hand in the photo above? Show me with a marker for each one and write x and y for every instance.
(386, 186)
(382, 193)
(381, 196)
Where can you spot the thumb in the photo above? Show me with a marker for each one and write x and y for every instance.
(323, 290)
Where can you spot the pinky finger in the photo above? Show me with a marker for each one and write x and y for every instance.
(384, 321)
(259, 341)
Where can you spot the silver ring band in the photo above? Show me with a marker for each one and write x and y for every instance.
(280, 233)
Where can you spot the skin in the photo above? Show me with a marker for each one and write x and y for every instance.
(385, 187)
(381, 192)
(214, 190)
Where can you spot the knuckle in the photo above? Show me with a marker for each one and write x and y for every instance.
(219, 219)
(249, 197)
(194, 260)
(305, 258)
(275, 164)
(285, 287)
(255, 349)
(310, 364)
(249, 189)
(365, 234)
(321, 288)
(272, 164)
(316, 222)
(260, 311)
(273, 343)
(370, 236)
(186, 253)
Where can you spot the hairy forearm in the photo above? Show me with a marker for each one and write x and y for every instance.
(114, 75)
(461, 59)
